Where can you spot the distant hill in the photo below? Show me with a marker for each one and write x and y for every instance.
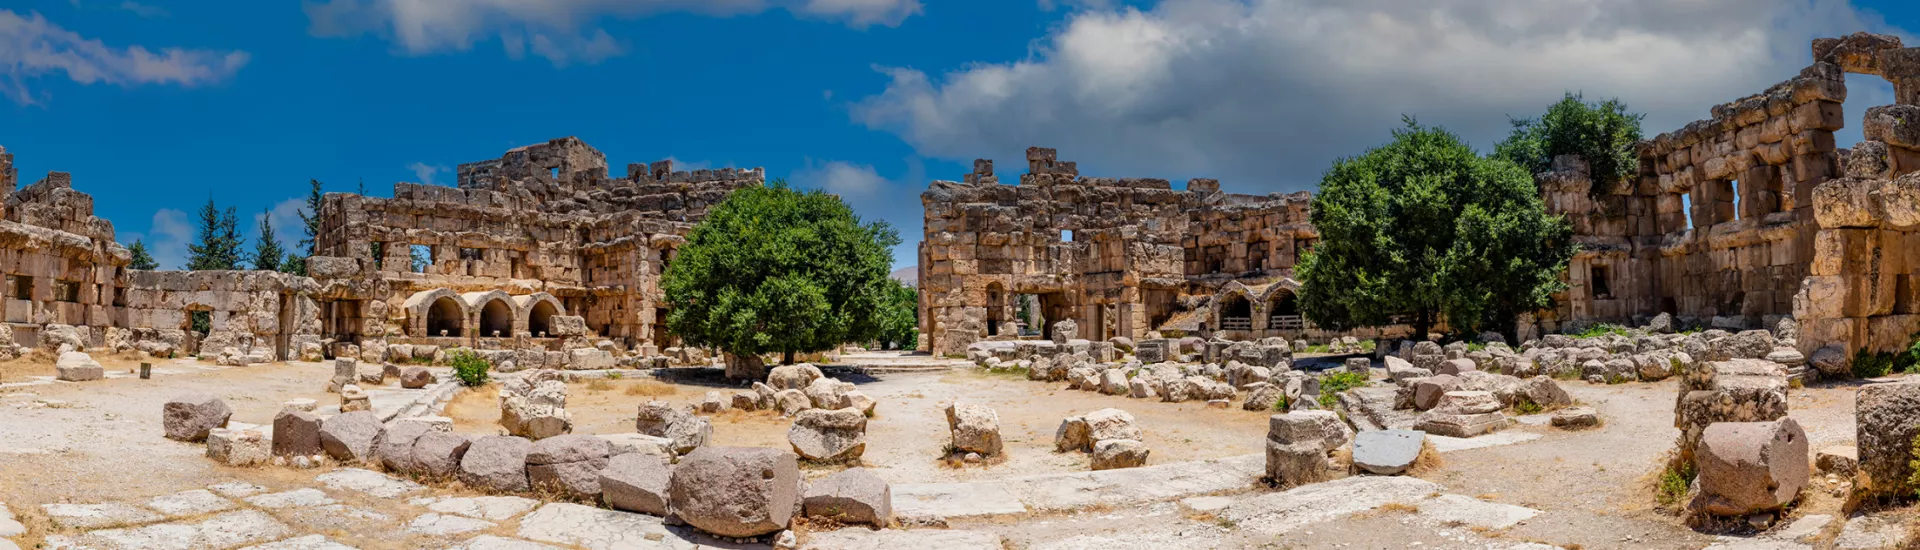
(909, 275)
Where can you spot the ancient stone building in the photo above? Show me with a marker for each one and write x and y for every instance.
(60, 262)
(1121, 257)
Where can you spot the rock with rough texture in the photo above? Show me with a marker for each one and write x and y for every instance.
(76, 366)
(689, 433)
(415, 377)
(1544, 392)
(1114, 382)
(569, 464)
(496, 463)
(853, 495)
(1831, 361)
(829, 435)
(349, 437)
(1298, 444)
(745, 401)
(1748, 467)
(438, 454)
(238, 447)
(394, 447)
(793, 377)
(827, 393)
(791, 402)
(191, 416)
(1884, 429)
(1840, 460)
(736, 491)
(1576, 417)
(1111, 454)
(1387, 452)
(296, 433)
(636, 482)
(1463, 414)
(654, 417)
(1265, 396)
(712, 403)
(975, 428)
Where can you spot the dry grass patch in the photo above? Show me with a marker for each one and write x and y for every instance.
(650, 388)
(1429, 460)
(1400, 507)
(599, 385)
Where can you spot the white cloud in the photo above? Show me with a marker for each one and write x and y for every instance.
(425, 172)
(841, 178)
(143, 10)
(166, 238)
(287, 227)
(1267, 93)
(31, 48)
(560, 30)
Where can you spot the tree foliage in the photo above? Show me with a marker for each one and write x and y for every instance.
(1423, 226)
(296, 263)
(900, 321)
(142, 259)
(1603, 133)
(267, 253)
(772, 269)
(217, 242)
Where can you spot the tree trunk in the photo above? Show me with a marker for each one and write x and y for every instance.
(786, 357)
(1422, 324)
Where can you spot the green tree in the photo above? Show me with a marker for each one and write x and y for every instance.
(1425, 227)
(900, 321)
(142, 259)
(772, 269)
(309, 230)
(267, 253)
(1603, 133)
(217, 243)
(418, 258)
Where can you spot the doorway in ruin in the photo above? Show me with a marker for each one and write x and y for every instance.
(1053, 308)
(1236, 313)
(996, 308)
(444, 318)
(496, 319)
(1161, 304)
(1283, 312)
(540, 319)
(283, 339)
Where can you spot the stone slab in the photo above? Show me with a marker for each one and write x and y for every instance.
(189, 503)
(1387, 452)
(1274, 514)
(487, 508)
(236, 489)
(955, 500)
(227, 530)
(297, 498)
(595, 528)
(309, 542)
(1450, 444)
(443, 525)
(892, 539)
(369, 482)
(98, 516)
(1129, 486)
(494, 542)
(1473, 512)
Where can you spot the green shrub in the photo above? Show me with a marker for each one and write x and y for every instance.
(1674, 483)
(1872, 365)
(1602, 329)
(1526, 406)
(1338, 382)
(1913, 479)
(469, 367)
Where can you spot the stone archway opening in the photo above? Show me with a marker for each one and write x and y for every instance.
(1236, 313)
(1283, 312)
(540, 319)
(444, 317)
(496, 319)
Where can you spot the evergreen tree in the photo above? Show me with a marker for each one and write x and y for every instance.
(142, 260)
(217, 241)
(296, 263)
(267, 254)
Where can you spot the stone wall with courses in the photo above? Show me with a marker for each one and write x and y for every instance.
(1863, 288)
(60, 262)
(250, 313)
(1115, 255)
(543, 219)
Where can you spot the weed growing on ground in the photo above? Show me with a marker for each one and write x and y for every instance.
(1338, 382)
(1673, 484)
(469, 368)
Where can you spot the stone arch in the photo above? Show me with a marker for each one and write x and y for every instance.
(1233, 307)
(492, 312)
(536, 312)
(431, 311)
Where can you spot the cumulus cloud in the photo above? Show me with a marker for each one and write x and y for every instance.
(894, 200)
(561, 31)
(32, 48)
(166, 238)
(426, 172)
(1267, 93)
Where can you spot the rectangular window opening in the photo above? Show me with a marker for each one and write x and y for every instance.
(20, 287)
(66, 291)
(1597, 282)
(419, 257)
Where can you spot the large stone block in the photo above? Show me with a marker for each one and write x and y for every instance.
(191, 416)
(350, 437)
(496, 463)
(853, 495)
(1298, 444)
(1747, 467)
(637, 482)
(569, 464)
(296, 433)
(736, 491)
(975, 428)
(829, 435)
(1884, 428)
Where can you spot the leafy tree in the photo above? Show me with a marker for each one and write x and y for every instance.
(217, 244)
(142, 259)
(772, 269)
(267, 254)
(1603, 133)
(900, 321)
(309, 228)
(1425, 227)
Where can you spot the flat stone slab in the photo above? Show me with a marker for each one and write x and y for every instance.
(1473, 512)
(891, 539)
(442, 525)
(98, 516)
(197, 502)
(372, 483)
(488, 508)
(491, 542)
(955, 500)
(228, 530)
(1870, 533)
(1128, 486)
(297, 498)
(309, 542)
(1387, 452)
(1274, 514)
(1803, 530)
(236, 489)
(1450, 444)
(595, 528)
(1731, 543)
(339, 517)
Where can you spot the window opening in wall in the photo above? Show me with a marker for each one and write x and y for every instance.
(514, 266)
(1686, 208)
(379, 252)
(200, 321)
(1066, 235)
(20, 287)
(470, 254)
(1735, 186)
(119, 296)
(1236, 313)
(66, 291)
(555, 172)
(419, 256)
(1597, 282)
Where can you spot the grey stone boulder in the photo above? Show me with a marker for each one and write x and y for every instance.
(1543, 391)
(654, 417)
(190, 417)
(689, 433)
(394, 446)
(1884, 428)
(636, 482)
(437, 454)
(793, 377)
(791, 402)
(77, 366)
(415, 377)
(1387, 452)
(736, 491)
(853, 495)
(1111, 454)
(1749, 467)
(349, 437)
(569, 464)
(829, 435)
(975, 428)
(496, 463)
(1575, 417)
(296, 433)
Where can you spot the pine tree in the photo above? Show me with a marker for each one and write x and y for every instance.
(267, 254)
(142, 260)
(217, 244)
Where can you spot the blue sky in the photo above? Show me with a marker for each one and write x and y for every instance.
(156, 106)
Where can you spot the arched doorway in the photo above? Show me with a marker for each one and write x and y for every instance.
(540, 319)
(444, 317)
(1236, 313)
(496, 319)
(1283, 312)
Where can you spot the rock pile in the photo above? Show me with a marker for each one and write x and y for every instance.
(1109, 434)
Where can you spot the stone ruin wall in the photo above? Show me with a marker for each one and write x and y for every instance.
(1121, 257)
(537, 250)
(60, 262)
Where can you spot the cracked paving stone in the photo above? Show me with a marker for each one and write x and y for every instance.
(309, 542)
(487, 508)
(441, 525)
(236, 489)
(297, 498)
(493, 542)
(593, 528)
(198, 502)
(227, 530)
(96, 516)
(370, 482)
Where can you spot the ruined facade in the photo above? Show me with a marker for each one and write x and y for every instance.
(535, 254)
(1121, 257)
